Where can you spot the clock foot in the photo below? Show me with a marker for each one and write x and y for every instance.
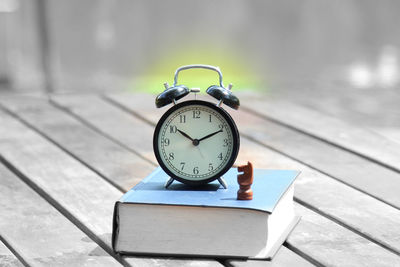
(222, 182)
(169, 182)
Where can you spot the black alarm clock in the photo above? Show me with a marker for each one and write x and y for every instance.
(196, 142)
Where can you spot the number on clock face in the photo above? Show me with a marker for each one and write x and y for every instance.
(196, 142)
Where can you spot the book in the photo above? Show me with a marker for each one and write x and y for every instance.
(206, 221)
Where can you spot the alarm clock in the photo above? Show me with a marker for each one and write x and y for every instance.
(196, 142)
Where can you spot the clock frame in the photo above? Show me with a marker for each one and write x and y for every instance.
(234, 145)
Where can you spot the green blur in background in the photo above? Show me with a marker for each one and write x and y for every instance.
(235, 69)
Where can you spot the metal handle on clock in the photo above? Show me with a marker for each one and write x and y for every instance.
(198, 67)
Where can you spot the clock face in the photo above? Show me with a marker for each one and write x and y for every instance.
(196, 142)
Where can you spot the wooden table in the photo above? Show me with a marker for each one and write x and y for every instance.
(64, 161)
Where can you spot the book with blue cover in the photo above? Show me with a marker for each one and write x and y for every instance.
(206, 221)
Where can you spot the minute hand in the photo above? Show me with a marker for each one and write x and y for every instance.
(207, 136)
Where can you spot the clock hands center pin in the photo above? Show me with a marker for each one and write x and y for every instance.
(195, 142)
(185, 134)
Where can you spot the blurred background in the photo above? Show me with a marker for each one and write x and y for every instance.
(339, 57)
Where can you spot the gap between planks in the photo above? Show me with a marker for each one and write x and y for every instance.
(291, 120)
(48, 138)
(39, 236)
(67, 110)
(60, 208)
(9, 256)
(311, 166)
(347, 167)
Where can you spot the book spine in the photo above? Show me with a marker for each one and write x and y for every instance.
(115, 226)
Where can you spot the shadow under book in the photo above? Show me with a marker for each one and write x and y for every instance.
(206, 221)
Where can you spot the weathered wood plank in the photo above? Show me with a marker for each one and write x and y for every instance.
(334, 245)
(338, 201)
(72, 188)
(343, 165)
(78, 104)
(75, 190)
(283, 258)
(40, 238)
(120, 125)
(7, 258)
(332, 198)
(330, 129)
(114, 162)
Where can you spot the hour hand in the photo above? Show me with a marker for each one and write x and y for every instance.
(185, 135)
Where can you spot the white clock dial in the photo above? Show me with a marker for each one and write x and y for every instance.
(196, 141)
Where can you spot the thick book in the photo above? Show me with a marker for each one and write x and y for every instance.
(206, 221)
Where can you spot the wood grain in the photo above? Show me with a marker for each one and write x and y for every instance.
(114, 162)
(342, 203)
(283, 258)
(349, 168)
(359, 172)
(81, 195)
(331, 160)
(334, 199)
(7, 258)
(335, 245)
(359, 140)
(114, 125)
(40, 238)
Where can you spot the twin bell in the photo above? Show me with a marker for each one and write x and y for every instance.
(176, 92)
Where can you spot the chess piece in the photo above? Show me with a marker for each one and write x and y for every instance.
(245, 180)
